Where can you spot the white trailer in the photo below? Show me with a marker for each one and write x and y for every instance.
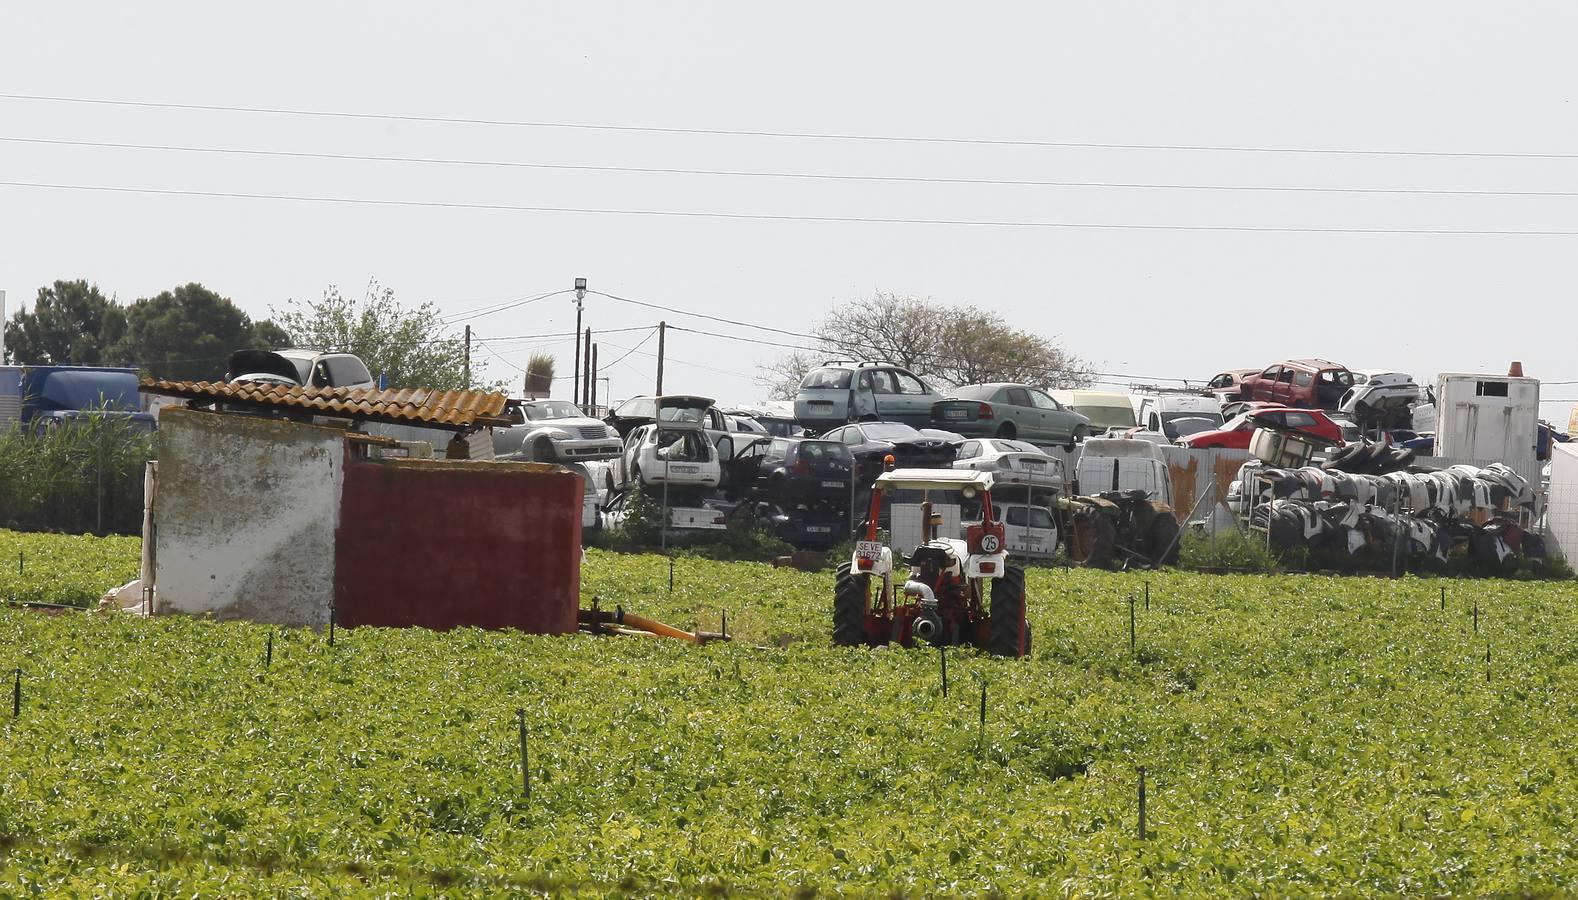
(1494, 418)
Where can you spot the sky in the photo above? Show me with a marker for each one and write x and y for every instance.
(1479, 98)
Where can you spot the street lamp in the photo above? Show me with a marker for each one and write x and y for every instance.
(575, 374)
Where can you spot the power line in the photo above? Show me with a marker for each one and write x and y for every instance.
(817, 176)
(498, 307)
(638, 346)
(798, 135)
(768, 217)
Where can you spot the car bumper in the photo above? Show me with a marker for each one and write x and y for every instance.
(600, 448)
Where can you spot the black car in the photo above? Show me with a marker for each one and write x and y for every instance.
(870, 442)
(791, 473)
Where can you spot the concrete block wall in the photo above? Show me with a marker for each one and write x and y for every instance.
(245, 517)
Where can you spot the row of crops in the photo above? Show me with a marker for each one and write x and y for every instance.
(1300, 734)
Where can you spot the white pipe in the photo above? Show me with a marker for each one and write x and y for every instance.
(919, 589)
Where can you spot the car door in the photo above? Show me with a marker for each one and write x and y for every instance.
(1059, 423)
(863, 403)
(1265, 384)
(968, 451)
(884, 393)
(1019, 410)
(631, 456)
(914, 399)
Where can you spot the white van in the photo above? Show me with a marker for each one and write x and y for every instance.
(1029, 530)
(1177, 416)
(1108, 411)
(1119, 464)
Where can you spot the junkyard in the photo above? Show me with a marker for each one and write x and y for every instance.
(885, 451)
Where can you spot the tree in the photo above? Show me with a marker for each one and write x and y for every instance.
(408, 346)
(949, 344)
(782, 378)
(189, 333)
(71, 323)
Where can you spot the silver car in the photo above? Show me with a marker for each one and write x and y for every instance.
(553, 431)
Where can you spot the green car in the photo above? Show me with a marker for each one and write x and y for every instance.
(1009, 411)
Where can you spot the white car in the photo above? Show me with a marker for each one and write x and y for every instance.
(687, 458)
(591, 499)
(1381, 397)
(1029, 530)
(1003, 455)
(553, 431)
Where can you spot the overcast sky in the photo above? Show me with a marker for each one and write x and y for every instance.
(1437, 78)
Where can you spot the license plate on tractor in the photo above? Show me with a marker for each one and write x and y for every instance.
(868, 549)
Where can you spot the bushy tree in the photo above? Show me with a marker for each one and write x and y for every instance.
(408, 345)
(189, 333)
(71, 323)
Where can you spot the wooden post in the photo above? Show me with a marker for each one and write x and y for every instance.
(465, 363)
(942, 658)
(662, 332)
(520, 720)
(1142, 803)
(16, 694)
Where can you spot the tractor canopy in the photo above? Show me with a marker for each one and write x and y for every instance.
(936, 479)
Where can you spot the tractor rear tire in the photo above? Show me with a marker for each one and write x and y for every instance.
(849, 607)
(1010, 635)
(1164, 539)
(1091, 537)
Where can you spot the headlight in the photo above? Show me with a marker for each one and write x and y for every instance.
(555, 434)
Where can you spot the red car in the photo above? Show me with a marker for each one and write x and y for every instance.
(1308, 383)
(1235, 433)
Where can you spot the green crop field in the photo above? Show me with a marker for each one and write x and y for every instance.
(1301, 735)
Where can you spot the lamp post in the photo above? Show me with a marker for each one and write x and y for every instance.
(575, 373)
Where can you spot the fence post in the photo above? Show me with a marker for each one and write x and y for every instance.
(1142, 803)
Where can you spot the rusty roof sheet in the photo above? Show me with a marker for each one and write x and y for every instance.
(407, 406)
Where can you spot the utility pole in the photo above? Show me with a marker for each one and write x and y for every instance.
(466, 363)
(586, 374)
(575, 371)
(662, 329)
(592, 381)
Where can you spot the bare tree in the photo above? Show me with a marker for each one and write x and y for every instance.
(948, 344)
(782, 378)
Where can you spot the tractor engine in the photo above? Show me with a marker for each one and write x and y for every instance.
(939, 594)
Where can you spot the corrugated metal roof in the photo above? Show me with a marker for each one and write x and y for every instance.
(409, 406)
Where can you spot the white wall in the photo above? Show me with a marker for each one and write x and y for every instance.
(245, 515)
(1562, 508)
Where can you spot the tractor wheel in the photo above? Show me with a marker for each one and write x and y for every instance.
(1091, 537)
(1164, 539)
(1010, 631)
(849, 607)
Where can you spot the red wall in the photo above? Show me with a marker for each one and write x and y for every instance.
(443, 544)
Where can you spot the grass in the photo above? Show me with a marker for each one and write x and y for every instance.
(1302, 734)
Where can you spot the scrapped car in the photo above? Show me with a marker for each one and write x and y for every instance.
(682, 409)
(1002, 455)
(1030, 530)
(1237, 432)
(591, 499)
(792, 473)
(676, 453)
(1309, 383)
(870, 442)
(776, 419)
(839, 392)
(1124, 466)
(553, 431)
(1228, 386)
(307, 368)
(1174, 417)
(1009, 411)
(1381, 399)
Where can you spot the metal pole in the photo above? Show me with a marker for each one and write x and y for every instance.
(663, 522)
(662, 332)
(575, 370)
(586, 370)
(465, 365)
(592, 382)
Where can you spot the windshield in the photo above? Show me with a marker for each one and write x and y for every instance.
(1108, 416)
(974, 392)
(889, 431)
(826, 380)
(1029, 517)
(1014, 447)
(1179, 425)
(551, 409)
(687, 414)
(823, 450)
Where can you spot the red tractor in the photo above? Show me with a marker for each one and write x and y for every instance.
(944, 600)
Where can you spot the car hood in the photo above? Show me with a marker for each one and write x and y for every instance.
(261, 362)
(572, 422)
